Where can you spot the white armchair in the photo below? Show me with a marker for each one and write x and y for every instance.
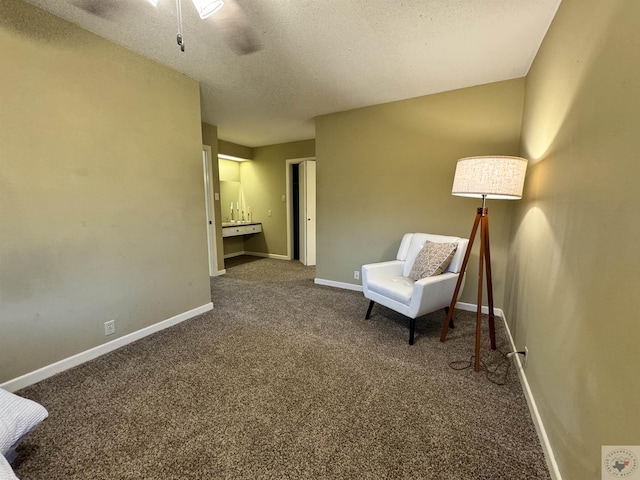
(388, 283)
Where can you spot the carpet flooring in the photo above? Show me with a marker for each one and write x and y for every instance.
(284, 379)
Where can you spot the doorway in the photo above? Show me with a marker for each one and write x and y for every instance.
(301, 206)
(295, 208)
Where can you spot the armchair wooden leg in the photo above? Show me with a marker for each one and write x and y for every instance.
(371, 304)
(446, 312)
(412, 328)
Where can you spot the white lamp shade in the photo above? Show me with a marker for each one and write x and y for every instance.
(206, 8)
(493, 177)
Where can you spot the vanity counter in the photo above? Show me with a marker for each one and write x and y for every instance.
(232, 229)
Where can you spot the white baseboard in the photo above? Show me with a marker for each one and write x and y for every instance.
(82, 357)
(234, 254)
(554, 471)
(220, 272)
(257, 254)
(472, 307)
(343, 285)
(267, 255)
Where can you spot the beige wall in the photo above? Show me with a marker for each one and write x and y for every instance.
(101, 192)
(388, 169)
(264, 183)
(229, 171)
(573, 279)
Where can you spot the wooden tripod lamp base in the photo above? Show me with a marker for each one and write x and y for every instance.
(482, 219)
(494, 177)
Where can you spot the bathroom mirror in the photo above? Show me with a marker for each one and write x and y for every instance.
(229, 193)
(233, 205)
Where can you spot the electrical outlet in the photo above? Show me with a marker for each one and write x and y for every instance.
(269, 213)
(356, 275)
(526, 357)
(110, 327)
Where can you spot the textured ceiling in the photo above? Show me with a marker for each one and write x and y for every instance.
(325, 56)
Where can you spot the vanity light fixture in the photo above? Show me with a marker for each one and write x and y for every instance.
(232, 158)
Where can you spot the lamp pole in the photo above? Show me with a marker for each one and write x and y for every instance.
(482, 220)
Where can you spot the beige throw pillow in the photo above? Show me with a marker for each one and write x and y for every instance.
(432, 260)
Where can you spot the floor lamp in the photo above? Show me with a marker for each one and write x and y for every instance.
(491, 177)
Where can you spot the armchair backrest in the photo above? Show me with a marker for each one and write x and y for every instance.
(412, 243)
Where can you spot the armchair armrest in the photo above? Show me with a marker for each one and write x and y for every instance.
(373, 273)
(433, 293)
(386, 269)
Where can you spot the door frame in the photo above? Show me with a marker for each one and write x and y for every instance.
(307, 180)
(210, 211)
(289, 205)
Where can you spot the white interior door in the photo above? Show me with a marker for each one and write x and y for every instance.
(210, 226)
(307, 182)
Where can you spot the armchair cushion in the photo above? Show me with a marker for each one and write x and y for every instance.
(395, 287)
(433, 259)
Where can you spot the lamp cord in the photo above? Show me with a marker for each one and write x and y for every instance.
(488, 371)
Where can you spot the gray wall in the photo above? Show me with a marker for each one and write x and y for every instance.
(386, 170)
(101, 191)
(572, 277)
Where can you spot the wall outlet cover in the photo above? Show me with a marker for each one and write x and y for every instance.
(110, 327)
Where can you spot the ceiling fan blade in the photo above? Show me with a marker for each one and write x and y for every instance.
(107, 9)
(236, 30)
(242, 40)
